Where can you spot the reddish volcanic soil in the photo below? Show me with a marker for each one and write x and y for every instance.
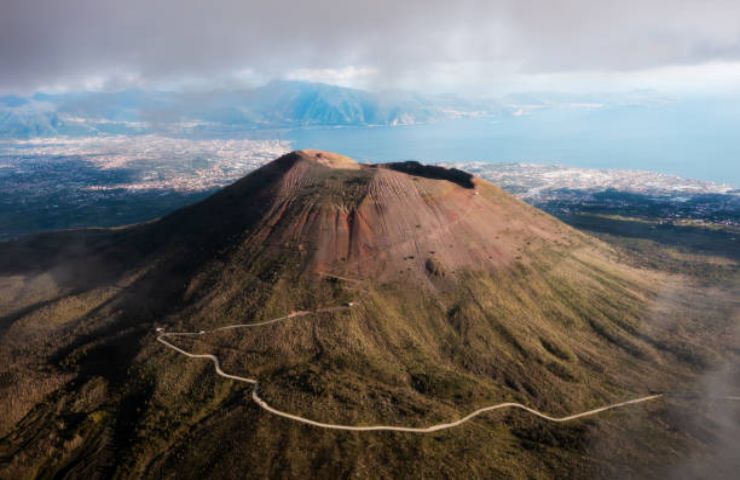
(381, 222)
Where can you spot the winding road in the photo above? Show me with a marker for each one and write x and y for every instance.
(393, 428)
(369, 428)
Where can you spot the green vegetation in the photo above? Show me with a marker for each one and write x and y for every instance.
(448, 319)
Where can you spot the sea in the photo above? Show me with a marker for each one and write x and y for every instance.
(682, 139)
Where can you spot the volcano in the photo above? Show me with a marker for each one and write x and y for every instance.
(461, 296)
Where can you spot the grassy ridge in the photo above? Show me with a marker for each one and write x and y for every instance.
(558, 320)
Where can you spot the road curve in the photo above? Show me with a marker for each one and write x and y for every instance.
(213, 358)
(369, 428)
(443, 426)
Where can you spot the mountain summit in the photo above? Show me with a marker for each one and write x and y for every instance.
(361, 221)
(461, 296)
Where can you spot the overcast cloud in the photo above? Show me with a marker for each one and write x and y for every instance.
(430, 44)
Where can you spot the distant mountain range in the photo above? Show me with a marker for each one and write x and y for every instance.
(277, 104)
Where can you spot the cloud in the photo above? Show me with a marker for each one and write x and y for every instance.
(346, 76)
(47, 43)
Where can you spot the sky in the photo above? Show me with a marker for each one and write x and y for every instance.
(478, 47)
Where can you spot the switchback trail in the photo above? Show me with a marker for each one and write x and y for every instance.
(368, 428)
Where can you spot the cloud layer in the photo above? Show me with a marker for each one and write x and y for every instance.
(103, 43)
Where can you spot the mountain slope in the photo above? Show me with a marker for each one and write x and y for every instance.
(465, 297)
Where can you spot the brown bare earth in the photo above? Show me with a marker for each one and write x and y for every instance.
(465, 297)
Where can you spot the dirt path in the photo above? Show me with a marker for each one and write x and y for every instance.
(367, 428)
(444, 426)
